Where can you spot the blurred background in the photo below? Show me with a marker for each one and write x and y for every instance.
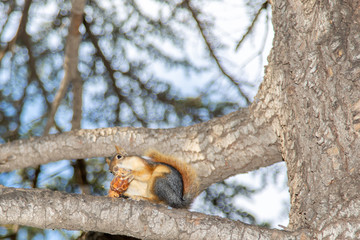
(148, 63)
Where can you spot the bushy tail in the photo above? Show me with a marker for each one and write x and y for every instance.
(189, 176)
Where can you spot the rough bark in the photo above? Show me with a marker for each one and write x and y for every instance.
(311, 95)
(50, 209)
(218, 149)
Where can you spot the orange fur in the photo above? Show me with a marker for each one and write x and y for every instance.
(189, 176)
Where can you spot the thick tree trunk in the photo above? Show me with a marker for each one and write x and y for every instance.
(311, 95)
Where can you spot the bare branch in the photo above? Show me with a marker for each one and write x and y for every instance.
(32, 68)
(250, 28)
(20, 31)
(219, 148)
(54, 210)
(71, 59)
(111, 73)
(77, 87)
(235, 82)
(8, 13)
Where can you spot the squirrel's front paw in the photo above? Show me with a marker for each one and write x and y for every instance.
(119, 185)
(121, 181)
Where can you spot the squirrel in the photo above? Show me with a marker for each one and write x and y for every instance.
(155, 177)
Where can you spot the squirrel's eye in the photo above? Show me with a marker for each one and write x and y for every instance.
(119, 156)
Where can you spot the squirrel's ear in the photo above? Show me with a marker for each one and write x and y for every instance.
(120, 150)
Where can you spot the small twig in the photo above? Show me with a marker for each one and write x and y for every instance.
(32, 67)
(20, 31)
(250, 28)
(261, 48)
(194, 14)
(77, 87)
(10, 10)
(111, 73)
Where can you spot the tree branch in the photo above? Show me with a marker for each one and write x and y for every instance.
(250, 28)
(51, 209)
(71, 59)
(235, 82)
(20, 31)
(219, 148)
(111, 73)
(77, 87)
